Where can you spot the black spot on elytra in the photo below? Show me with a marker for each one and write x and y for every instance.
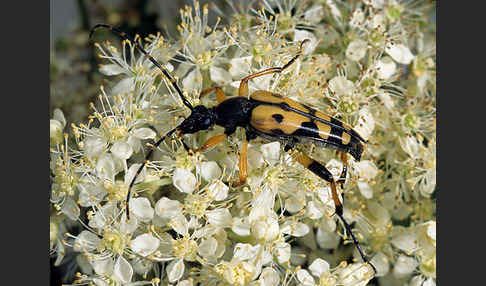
(278, 117)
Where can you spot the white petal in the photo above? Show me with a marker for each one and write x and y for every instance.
(219, 217)
(404, 266)
(185, 283)
(309, 47)
(144, 133)
(90, 194)
(128, 226)
(180, 225)
(241, 226)
(218, 190)
(269, 277)
(124, 86)
(70, 208)
(400, 53)
(105, 167)
(312, 211)
(132, 171)
(386, 67)
(240, 67)
(367, 169)
(184, 180)
(297, 229)
(207, 247)
(266, 228)
(282, 252)
(334, 9)
(103, 266)
(271, 152)
(245, 251)
(167, 208)
(209, 170)
(365, 189)
(319, 267)
(122, 150)
(327, 239)
(142, 209)
(357, 18)
(406, 241)
(144, 244)
(305, 278)
(356, 50)
(219, 75)
(431, 230)
(380, 261)
(58, 115)
(341, 86)
(94, 146)
(193, 80)
(123, 270)
(175, 269)
(366, 123)
(86, 241)
(111, 69)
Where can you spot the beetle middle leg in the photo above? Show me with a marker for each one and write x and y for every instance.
(243, 90)
(321, 171)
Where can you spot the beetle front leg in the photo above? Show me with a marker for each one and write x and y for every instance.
(220, 96)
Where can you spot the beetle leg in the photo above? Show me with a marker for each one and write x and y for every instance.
(342, 178)
(243, 90)
(321, 171)
(211, 142)
(220, 96)
(243, 164)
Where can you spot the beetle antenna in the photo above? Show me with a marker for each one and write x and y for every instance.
(155, 146)
(155, 62)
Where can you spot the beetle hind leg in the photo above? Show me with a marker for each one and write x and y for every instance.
(321, 171)
(342, 177)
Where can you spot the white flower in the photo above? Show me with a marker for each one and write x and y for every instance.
(305, 278)
(240, 67)
(209, 170)
(141, 208)
(123, 270)
(219, 217)
(381, 263)
(341, 86)
(144, 244)
(175, 269)
(400, 53)
(86, 241)
(271, 152)
(269, 277)
(218, 190)
(404, 266)
(386, 67)
(122, 150)
(356, 50)
(293, 228)
(266, 227)
(184, 180)
(167, 208)
(309, 47)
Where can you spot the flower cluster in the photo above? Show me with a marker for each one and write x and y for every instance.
(369, 63)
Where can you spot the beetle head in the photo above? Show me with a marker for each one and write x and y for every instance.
(201, 118)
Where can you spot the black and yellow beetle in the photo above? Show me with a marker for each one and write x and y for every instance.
(270, 116)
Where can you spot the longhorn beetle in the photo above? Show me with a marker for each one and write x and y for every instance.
(270, 116)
